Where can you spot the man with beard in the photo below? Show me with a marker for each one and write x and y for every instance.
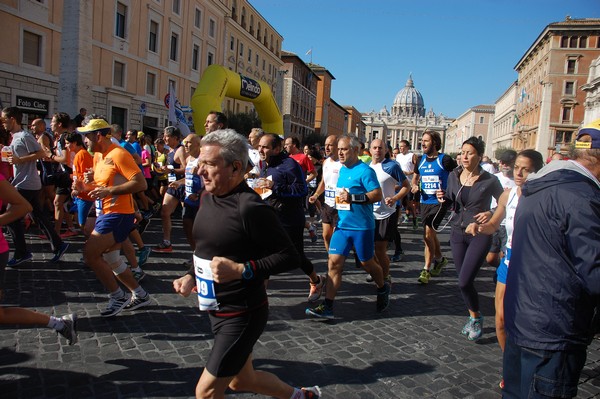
(431, 175)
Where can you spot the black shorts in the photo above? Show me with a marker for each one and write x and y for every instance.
(234, 340)
(430, 211)
(162, 182)
(329, 215)
(178, 193)
(385, 229)
(499, 241)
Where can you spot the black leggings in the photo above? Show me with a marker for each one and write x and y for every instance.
(296, 234)
(469, 253)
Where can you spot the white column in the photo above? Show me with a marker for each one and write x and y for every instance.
(543, 139)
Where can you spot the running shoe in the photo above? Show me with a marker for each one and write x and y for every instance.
(143, 255)
(115, 306)
(17, 261)
(468, 327)
(383, 298)
(397, 257)
(312, 232)
(436, 270)
(163, 247)
(69, 331)
(311, 392)
(143, 225)
(317, 289)
(415, 223)
(60, 252)
(321, 312)
(424, 277)
(137, 302)
(69, 233)
(476, 329)
(138, 274)
(404, 219)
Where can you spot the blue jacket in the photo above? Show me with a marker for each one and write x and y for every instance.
(289, 189)
(553, 285)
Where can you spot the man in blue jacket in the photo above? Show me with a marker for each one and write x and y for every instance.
(284, 177)
(552, 295)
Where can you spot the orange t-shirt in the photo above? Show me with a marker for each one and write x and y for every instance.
(82, 161)
(112, 168)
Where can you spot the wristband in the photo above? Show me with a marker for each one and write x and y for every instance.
(359, 198)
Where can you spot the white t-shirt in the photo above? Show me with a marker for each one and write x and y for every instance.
(331, 172)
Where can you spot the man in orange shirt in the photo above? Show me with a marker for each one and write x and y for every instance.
(116, 177)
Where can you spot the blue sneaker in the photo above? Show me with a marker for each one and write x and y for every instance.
(476, 329)
(143, 255)
(17, 261)
(59, 252)
(321, 312)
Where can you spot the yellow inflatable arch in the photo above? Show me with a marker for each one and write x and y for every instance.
(218, 82)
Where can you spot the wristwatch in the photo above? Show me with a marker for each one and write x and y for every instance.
(248, 273)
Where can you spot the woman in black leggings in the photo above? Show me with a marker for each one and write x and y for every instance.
(470, 190)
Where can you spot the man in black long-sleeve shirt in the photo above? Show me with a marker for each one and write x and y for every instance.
(239, 243)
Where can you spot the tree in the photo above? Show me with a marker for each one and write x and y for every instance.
(243, 123)
(500, 150)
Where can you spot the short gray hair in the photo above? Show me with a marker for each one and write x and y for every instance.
(234, 146)
(353, 140)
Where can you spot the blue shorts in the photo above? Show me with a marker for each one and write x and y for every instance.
(83, 210)
(119, 224)
(502, 270)
(363, 242)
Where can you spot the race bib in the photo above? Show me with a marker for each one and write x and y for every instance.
(98, 206)
(172, 177)
(330, 196)
(207, 299)
(339, 204)
(430, 184)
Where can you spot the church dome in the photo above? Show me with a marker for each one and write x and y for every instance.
(409, 101)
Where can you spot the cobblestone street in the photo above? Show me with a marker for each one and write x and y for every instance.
(412, 350)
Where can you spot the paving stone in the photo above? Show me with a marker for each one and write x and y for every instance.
(414, 349)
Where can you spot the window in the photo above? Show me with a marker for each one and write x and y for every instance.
(232, 43)
(566, 114)
(177, 6)
(573, 42)
(257, 60)
(212, 27)
(569, 88)
(121, 20)
(583, 42)
(119, 74)
(198, 19)
(118, 115)
(174, 43)
(563, 137)
(249, 55)
(32, 48)
(210, 59)
(564, 42)
(195, 55)
(263, 65)
(571, 66)
(481, 119)
(153, 36)
(150, 84)
(241, 49)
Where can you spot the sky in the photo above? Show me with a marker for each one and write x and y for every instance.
(461, 53)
